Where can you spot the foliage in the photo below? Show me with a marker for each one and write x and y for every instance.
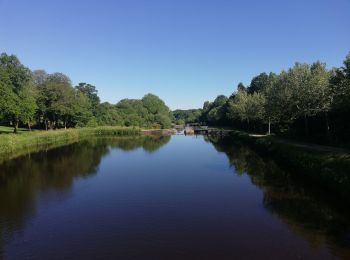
(15, 81)
(247, 107)
(91, 93)
(150, 111)
(50, 101)
(108, 114)
(215, 112)
(187, 116)
(301, 100)
(306, 98)
(340, 86)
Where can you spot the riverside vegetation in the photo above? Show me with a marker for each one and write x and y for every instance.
(14, 145)
(306, 102)
(40, 100)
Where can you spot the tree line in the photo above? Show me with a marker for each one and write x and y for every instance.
(306, 101)
(50, 101)
(181, 116)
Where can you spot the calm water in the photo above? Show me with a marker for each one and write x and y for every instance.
(164, 198)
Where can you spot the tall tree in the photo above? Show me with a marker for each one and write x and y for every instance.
(91, 93)
(247, 107)
(340, 85)
(258, 83)
(28, 105)
(19, 78)
(157, 110)
(321, 91)
(280, 105)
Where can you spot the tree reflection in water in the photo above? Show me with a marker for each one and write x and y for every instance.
(307, 210)
(22, 179)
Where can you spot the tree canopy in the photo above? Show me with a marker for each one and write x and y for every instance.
(50, 101)
(307, 100)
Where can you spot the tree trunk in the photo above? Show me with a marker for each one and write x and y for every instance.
(16, 126)
(65, 125)
(269, 126)
(45, 124)
(29, 126)
(327, 123)
(306, 126)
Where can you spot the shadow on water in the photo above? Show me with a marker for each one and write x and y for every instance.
(307, 211)
(147, 143)
(22, 179)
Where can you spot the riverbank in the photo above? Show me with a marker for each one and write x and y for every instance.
(162, 132)
(13, 145)
(326, 166)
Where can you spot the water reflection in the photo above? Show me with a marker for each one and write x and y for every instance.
(148, 143)
(308, 211)
(186, 200)
(22, 179)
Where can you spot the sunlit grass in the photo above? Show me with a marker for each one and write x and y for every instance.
(12, 145)
(8, 130)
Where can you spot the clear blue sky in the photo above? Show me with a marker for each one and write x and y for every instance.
(185, 51)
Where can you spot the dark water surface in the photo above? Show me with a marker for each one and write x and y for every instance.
(164, 198)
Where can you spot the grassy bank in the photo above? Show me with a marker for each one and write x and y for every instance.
(13, 145)
(322, 165)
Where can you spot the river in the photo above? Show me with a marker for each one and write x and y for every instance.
(164, 197)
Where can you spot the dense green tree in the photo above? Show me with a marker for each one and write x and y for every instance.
(246, 107)
(340, 107)
(60, 104)
(53, 99)
(6, 93)
(301, 92)
(17, 79)
(91, 93)
(39, 77)
(18, 74)
(81, 112)
(241, 86)
(108, 114)
(28, 105)
(158, 112)
(133, 112)
(321, 91)
(187, 116)
(340, 86)
(258, 83)
(280, 104)
(310, 90)
(215, 113)
(206, 106)
(298, 79)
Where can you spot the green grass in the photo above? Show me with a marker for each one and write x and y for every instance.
(13, 145)
(9, 130)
